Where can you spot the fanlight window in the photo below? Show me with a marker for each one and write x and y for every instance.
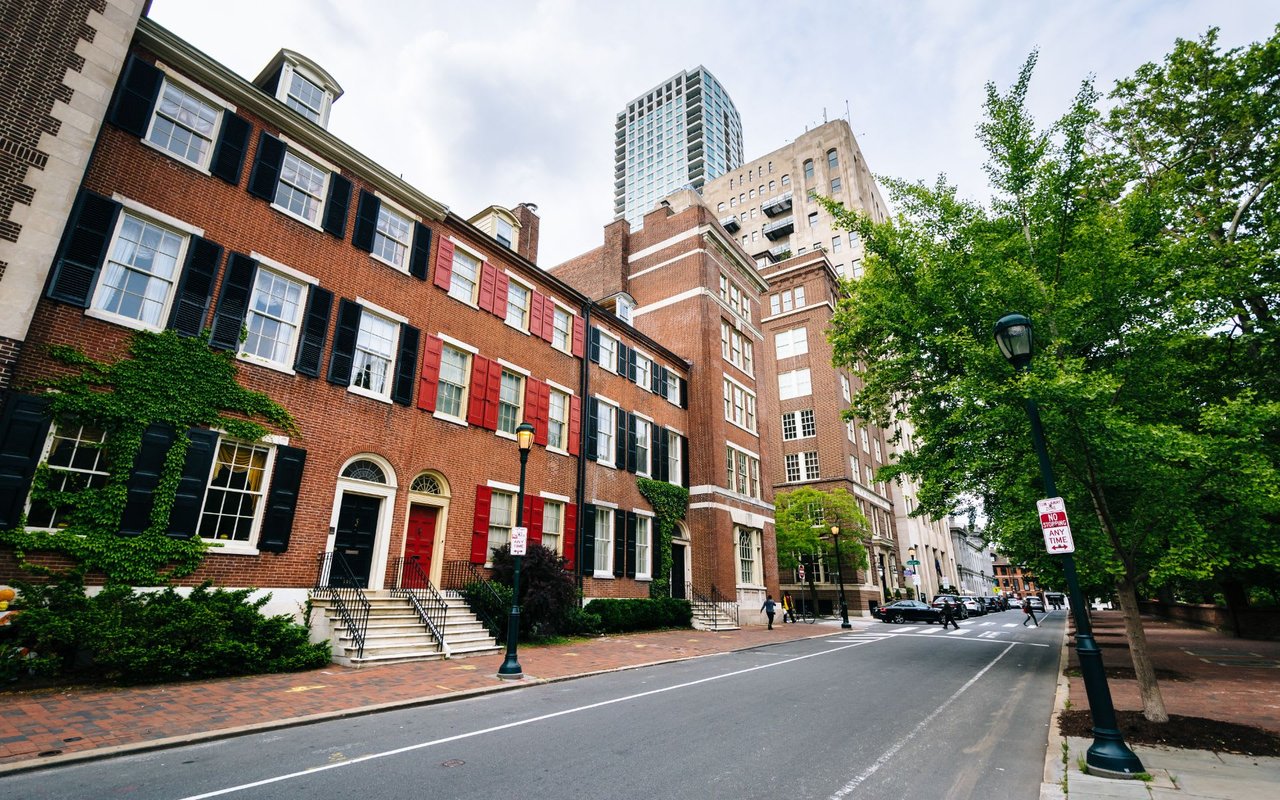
(365, 470)
(426, 484)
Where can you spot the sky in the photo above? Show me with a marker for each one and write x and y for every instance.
(506, 102)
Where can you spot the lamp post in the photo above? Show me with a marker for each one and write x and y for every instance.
(1108, 756)
(510, 669)
(844, 607)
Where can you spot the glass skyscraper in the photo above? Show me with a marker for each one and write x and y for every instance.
(679, 134)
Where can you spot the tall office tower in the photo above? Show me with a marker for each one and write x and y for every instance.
(678, 135)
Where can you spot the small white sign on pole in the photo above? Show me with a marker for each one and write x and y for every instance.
(519, 540)
(1055, 526)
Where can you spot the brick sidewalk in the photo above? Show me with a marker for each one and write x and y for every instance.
(53, 725)
(1218, 676)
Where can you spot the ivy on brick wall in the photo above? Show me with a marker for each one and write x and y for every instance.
(166, 378)
(669, 504)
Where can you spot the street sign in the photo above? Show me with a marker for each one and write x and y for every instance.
(1055, 526)
(800, 569)
(913, 563)
(519, 541)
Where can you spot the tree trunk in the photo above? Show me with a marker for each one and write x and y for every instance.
(1152, 701)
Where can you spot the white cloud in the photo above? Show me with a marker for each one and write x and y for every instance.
(507, 101)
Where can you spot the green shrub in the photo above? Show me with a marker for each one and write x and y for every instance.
(124, 637)
(622, 615)
(547, 589)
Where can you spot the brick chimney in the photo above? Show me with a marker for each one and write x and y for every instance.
(527, 216)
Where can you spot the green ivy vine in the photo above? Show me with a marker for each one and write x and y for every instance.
(669, 505)
(166, 378)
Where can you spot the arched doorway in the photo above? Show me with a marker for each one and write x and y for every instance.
(427, 522)
(361, 520)
(681, 568)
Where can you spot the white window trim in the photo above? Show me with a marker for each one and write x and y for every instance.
(568, 413)
(466, 389)
(506, 487)
(301, 150)
(412, 218)
(608, 573)
(528, 312)
(612, 366)
(275, 266)
(613, 451)
(158, 216)
(181, 81)
(573, 323)
(559, 498)
(647, 575)
(164, 220)
(514, 367)
(561, 387)
(478, 256)
(286, 79)
(380, 311)
(458, 343)
(249, 548)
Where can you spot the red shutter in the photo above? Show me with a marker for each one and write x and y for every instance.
(579, 335)
(488, 277)
(480, 526)
(430, 379)
(492, 396)
(500, 287)
(569, 539)
(444, 264)
(549, 320)
(532, 394)
(479, 390)
(544, 410)
(533, 519)
(536, 301)
(575, 423)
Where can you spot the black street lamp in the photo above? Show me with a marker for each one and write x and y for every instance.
(844, 607)
(510, 668)
(1108, 756)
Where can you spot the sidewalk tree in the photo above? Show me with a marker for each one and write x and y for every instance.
(1163, 428)
(802, 524)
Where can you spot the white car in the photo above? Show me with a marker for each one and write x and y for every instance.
(972, 605)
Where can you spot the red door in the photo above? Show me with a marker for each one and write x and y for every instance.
(422, 534)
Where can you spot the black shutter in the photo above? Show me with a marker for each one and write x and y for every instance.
(419, 254)
(336, 205)
(366, 220)
(282, 500)
(591, 429)
(587, 521)
(659, 380)
(83, 249)
(144, 478)
(619, 542)
(266, 167)
(621, 365)
(661, 452)
(135, 96)
(233, 302)
(631, 365)
(344, 343)
(684, 461)
(594, 351)
(631, 544)
(196, 287)
(406, 366)
(315, 327)
(184, 519)
(23, 430)
(633, 456)
(620, 439)
(232, 147)
(684, 393)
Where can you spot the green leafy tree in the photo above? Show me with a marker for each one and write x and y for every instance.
(802, 523)
(1165, 453)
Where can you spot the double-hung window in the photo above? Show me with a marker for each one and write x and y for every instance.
(739, 405)
(184, 124)
(606, 429)
(643, 368)
(451, 392)
(608, 352)
(798, 425)
(375, 354)
(76, 461)
(743, 472)
(557, 419)
(794, 342)
(392, 237)
(274, 314)
(675, 458)
(801, 466)
(140, 273)
(233, 502)
(561, 330)
(518, 305)
(502, 514)
(552, 525)
(305, 97)
(643, 544)
(796, 383)
(302, 186)
(466, 277)
(644, 446)
(510, 401)
(749, 552)
(604, 542)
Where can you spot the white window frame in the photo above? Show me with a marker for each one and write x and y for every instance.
(610, 431)
(610, 362)
(742, 469)
(517, 413)
(644, 467)
(562, 338)
(796, 383)
(522, 322)
(368, 309)
(602, 561)
(750, 568)
(285, 273)
(739, 405)
(791, 342)
(285, 87)
(675, 458)
(98, 471)
(846, 389)
(496, 528)
(464, 256)
(165, 223)
(400, 247)
(559, 444)
(644, 371)
(557, 534)
(319, 197)
(644, 524)
(467, 353)
(248, 546)
(200, 95)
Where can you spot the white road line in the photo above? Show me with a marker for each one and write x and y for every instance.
(958, 632)
(1011, 625)
(923, 725)
(927, 631)
(520, 723)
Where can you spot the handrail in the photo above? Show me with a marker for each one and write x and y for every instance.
(459, 574)
(414, 585)
(335, 578)
(713, 606)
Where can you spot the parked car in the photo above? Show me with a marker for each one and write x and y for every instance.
(1036, 603)
(992, 604)
(960, 611)
(900, 611)
(973, 605)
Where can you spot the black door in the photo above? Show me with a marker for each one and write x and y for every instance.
(677, 572)
(357, 529)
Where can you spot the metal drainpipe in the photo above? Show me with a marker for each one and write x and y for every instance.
(580, 495)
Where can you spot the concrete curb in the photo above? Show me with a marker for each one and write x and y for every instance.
(1055, 770)
(33, 764)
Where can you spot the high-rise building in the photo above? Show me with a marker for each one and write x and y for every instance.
(678, 135)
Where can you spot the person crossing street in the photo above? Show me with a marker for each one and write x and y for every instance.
(1030, 613)
(949, 615)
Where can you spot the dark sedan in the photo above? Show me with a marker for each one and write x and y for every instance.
(901, 611)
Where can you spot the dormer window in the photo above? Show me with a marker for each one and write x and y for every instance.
(623, 308)
(300, 84)
(504, 232)
(306, 98)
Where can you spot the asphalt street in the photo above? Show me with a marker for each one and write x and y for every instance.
(884, 711)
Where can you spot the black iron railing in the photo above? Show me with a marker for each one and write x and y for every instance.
(714, 607)
(336, 581)
(463, 576)
(413, 585)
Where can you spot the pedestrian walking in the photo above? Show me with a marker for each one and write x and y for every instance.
(949, 615)
(1030, 612)
(788, 609)
(769, 608)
